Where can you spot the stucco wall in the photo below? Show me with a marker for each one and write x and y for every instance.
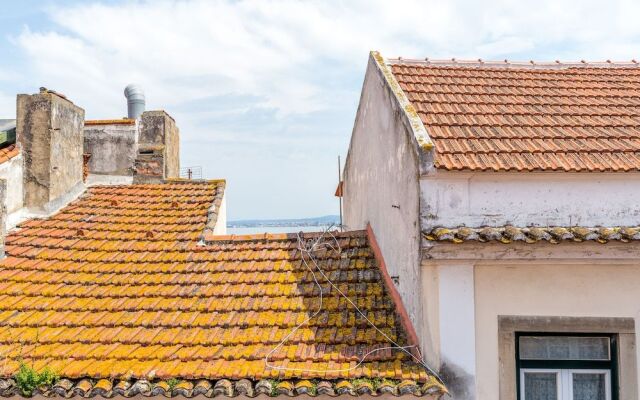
(566, 199)
(381, 186)
(11, 171)
(220, 227)
(113, 148)
(558, 289)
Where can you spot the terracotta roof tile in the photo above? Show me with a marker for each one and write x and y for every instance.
(556, 234)
(107, 388)
(126, 282)
(8, 153)
(519, 118)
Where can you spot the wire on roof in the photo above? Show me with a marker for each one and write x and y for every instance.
(308, 249)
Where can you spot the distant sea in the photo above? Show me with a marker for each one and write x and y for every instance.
(249, 227)
(273, 229)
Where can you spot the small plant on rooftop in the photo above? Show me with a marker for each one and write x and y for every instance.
(376, 383)
(173, 382)
(314, 388)
(274, 387)
(28, 379)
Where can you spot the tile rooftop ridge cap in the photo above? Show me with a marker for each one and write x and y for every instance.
(187, 181)
(453, 62)
(123, 121)
(534, 234)
(279, 236)
(240, 388)
(531, 227)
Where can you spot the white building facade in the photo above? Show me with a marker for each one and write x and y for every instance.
(503, 197)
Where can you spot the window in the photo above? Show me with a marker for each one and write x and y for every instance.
(566, 366)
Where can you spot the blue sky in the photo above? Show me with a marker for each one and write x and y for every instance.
(265, 93)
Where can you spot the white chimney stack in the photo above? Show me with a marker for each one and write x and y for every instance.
(135, 100)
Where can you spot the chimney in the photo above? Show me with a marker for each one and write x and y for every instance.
(135, 100)
(49, 130)
(158, 148)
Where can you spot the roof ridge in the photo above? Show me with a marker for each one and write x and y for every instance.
(187, 180)
(531, 64)
(123, 121)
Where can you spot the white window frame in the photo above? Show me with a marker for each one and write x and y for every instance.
(565, 380)
(571, 372)
(558, 373)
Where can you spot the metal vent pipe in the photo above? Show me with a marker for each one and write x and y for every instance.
(135, 100)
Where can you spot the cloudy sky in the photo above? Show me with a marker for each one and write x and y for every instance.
(265, 92)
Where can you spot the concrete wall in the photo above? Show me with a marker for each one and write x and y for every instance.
(220, 227)
(113, 148)
(381, 186)
(50, 131)
(545, 199)
(12, 172)
(448, 300)
(172, 149)
(569, 289)
(477, 295)
(159, 148)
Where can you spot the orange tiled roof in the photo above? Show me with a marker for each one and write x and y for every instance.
(518, 117)
(122, 283)
(8, 153)
(123, 121)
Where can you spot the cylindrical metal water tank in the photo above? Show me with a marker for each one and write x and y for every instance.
(135, 100)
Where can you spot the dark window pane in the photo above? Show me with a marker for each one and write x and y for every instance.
(540, 386)
(564, 348)
(589, 387)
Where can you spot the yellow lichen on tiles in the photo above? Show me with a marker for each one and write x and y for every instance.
(107, 289)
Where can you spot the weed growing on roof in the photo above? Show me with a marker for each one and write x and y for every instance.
(28, 379)
(376, 383)
(173, 382)
(274, 387)
(314, 388)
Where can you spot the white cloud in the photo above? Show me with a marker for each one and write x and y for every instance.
(273, 50)
(291, 58)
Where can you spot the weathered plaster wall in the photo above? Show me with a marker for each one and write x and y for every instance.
(12, 172)
(3, 215)
(113, 148)
(565, 289)
(159, 147)
(98, 180)
(221, 223)
(545, 199)
(50, 131)
(172, 149)
(448, 301)
(381, 187)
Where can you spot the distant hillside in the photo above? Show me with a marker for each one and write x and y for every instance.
(317, 221)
